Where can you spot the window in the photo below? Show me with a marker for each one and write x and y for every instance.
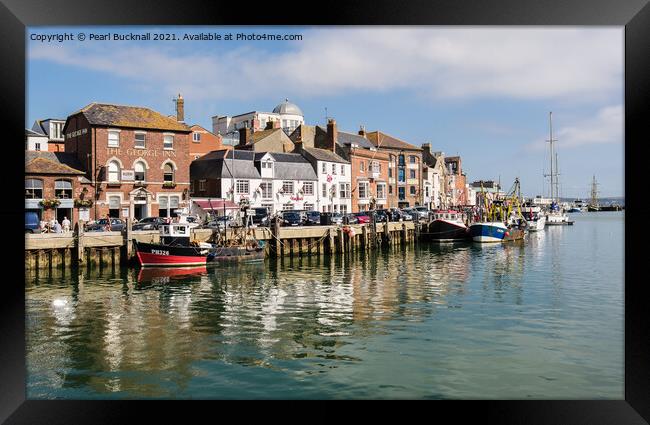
(412, 190)
(324, 190)
(308, 188)
(267, 164)
(138, 167)
(287, 187)
(114, 206)
(63, 189)
(242, 187)
(412, 159)
(401, 160)
(411, 174)
(342, 169)
(390, 172)
(37, 146)
(267, 190)
(324, 168)
(333, 168)
(401, 193)
(33, 189)
(401, 175)
(140, 140)
(269, 208)
(196, 137)
(362, 166)
(202, 185)
(309, 207)
(56, 130)
(167, 206)
(344, 209)
(113, 138)
(288, 206)
(363, 190)
(168, 173)
(168, 141)
(113, 172)
(390, 190)
(381, 191)
(344, 190)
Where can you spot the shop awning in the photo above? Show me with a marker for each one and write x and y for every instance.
(216, 204)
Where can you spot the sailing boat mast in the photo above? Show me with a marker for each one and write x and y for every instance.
(594, 192)
(553, 174)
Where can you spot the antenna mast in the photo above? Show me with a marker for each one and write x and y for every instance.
(553, 174)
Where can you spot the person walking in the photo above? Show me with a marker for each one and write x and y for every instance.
(107, 228)
(57, 227)
(66, 225)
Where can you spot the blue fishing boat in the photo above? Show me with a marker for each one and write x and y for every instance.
(490, 231)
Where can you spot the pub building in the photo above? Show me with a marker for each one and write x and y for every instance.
(136, 159)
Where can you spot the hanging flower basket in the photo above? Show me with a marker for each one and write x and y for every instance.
(169, 184)
(49, 203)
(83, 203)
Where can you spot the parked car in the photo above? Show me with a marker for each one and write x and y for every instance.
(32, 223)
(380, 215)
(292, 218)
(101, 225)
(362, 216)
(149, 223)
(219, 223)
(337, 218)
(261, 217)
(394, 214)
(407, 214)
(421, 212)
(350, 219)
(190, 220)
(312, 218)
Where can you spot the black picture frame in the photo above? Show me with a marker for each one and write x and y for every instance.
(15, 15)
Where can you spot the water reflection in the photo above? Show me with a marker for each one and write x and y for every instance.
(164, 333)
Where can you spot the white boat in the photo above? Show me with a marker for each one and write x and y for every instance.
(555, 215)
(535, 217)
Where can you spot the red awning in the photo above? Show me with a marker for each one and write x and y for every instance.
(216, 204)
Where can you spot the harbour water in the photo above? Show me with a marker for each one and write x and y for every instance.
(542, 319)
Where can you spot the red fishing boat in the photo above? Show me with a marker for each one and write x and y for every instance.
(174, 249)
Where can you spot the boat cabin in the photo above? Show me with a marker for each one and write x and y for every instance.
(175, 234)
(449, 215)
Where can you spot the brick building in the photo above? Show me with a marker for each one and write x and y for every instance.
(405, 185)
(457, 188)
(136, 159)
(53, 129)
(369, 167)
(54, 184)
(203, 141)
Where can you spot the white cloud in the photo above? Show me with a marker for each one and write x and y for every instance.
(605, 127)
(439, 62)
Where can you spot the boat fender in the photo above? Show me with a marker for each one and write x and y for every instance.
(507, 233)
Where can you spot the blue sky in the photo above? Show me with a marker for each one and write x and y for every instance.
(481, 92)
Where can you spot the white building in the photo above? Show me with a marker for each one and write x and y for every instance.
(334, 179)
(35, 141)
(276, 181)
(286, 113)
(53, 129)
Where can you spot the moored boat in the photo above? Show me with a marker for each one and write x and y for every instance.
(489, 231)
(174, 249)
(448, 226)
(535, 217)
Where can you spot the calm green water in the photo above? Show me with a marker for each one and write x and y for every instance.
(540, 320)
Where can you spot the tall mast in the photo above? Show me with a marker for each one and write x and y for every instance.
(594, 192)
(553, 173)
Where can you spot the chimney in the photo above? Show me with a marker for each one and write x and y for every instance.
(180, 108)
(255, 124)
(243, 136)
(298, 145)
(332, 135)
(362, 131)
(269, 125)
